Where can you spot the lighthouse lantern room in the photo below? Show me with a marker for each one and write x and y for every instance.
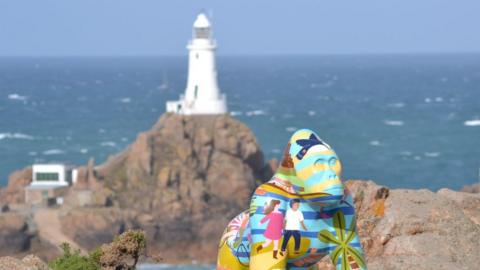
(202, 95)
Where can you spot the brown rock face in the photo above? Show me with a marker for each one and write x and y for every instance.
(183, 180)
(14, 193)
(14, 236)
(91, 227)
(417, 229)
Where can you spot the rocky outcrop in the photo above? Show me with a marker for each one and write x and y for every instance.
(417, 229)
(29, 262)
(181, 181)
(14, 192)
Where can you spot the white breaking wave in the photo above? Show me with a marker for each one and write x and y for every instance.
(109, 143)
(15, 136)
(290, 129)
(432, 154)
(311, 113)
(54, 152)
(235, 113)
(84, 150)
(375, 143)
(472, 123)
(17, 97)
(255, 112)
(125, 100)
(393, 122)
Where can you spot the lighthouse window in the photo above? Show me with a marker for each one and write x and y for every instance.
(202, 32)
(196, 91)
(196, 55)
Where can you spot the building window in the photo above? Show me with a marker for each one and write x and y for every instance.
(47, 177)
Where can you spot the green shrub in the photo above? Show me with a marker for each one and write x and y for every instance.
(122, 254)
(73, 260)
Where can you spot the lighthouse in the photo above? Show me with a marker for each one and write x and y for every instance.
(202, 95)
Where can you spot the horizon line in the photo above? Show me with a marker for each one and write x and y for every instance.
(242, 54)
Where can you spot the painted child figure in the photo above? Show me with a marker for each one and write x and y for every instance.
(273, 232)
(293, 220)
(308, 189)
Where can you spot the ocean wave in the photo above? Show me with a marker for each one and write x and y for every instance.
(255, 112)
(84, 150)
(108, 143)
(290, 129)
(396, 105)
(15, 136)
(393, 122)
(53, 152)
(431, 154)
(472, 123)
(17, 97)
(126, 100)
(375, 143)
(276, 151)
(311, 113)
(235, 113)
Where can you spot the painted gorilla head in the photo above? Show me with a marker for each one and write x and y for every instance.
(312, 167)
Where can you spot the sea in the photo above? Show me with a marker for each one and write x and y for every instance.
(404, 121)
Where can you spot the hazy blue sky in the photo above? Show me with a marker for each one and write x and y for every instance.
(158, 27)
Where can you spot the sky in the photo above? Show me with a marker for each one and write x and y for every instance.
(260, 27)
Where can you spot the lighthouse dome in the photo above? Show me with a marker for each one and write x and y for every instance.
(201, 21)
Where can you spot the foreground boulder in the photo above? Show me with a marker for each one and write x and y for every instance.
(417, 229)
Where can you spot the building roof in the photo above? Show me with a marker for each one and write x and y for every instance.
(201, 21)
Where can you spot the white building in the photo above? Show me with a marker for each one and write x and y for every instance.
(202, 95)
(50, 175)
(49, 183)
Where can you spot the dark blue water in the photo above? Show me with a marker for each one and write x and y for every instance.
(403, 121)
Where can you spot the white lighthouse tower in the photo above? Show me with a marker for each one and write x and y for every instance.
(202, 95)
